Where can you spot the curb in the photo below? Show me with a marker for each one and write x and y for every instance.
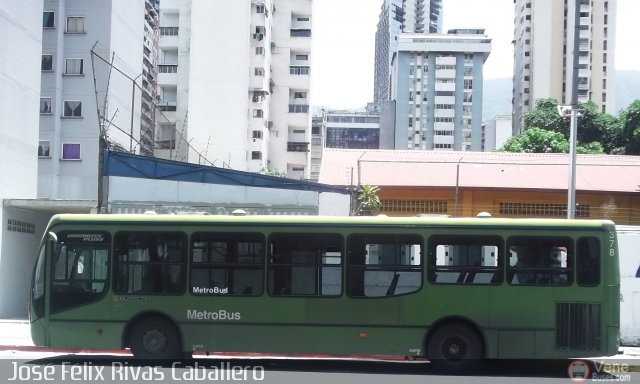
(633, 367)
(33, 348)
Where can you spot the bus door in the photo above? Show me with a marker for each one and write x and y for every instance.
(383, 273)
(78, 282)
(37, 308)
(305, 284)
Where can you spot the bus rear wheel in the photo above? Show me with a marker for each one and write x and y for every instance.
(454, 347)
(154, 338)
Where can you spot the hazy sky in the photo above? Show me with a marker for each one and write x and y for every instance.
(344, 36)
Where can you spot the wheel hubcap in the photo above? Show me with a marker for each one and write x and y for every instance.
(454, 349)
(154, 341)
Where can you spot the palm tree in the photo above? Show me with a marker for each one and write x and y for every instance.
(368, 200)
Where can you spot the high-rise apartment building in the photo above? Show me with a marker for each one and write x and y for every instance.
(21, 50)
(400, 16)
(91, 52)
(149, 76)
(437, 88)
(543, 53)
(233, 84)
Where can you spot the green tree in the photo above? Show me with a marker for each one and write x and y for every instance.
(272, 172)
(630, 126)
(368, 200)
(545, 115)
(537, 140)
(593, 125)
(590, 148)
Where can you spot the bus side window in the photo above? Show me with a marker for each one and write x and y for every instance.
(227, 263)
(465, 259)
(540, 261)
(150, 262)
(383, 265)
(588, 261)
(305, 264)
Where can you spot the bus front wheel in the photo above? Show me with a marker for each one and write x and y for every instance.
(454, 347)
(154, 338)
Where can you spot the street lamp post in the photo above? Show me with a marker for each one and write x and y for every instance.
(573, 135)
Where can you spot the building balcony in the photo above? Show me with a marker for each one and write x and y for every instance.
(301, 22)
(165, 144)
(299, 70)
(168, 41)
(297, 137)
(298, 108)
(167, 68)
(169, 106)
(167, 74)
(297, 146)
(300, 33)
(299, 82)
(169, 31)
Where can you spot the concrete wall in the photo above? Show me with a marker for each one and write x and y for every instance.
(219, 80)
(19, 248)
(334, 204)
(132, 195)
(21, 52)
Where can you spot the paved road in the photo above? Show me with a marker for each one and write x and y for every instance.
(65, 368)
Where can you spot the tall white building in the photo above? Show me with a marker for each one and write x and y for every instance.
(21, 50)
(437, 88)
(233, 84)
(400, 16)
(82, 96)
(543, 53)
(149, 76)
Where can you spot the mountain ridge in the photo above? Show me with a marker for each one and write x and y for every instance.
(497, 93)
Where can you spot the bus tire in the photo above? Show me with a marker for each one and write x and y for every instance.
(454, 347)
(154, 338)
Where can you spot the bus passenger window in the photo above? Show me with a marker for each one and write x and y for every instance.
(305, 264)
(465, 259)
(150, 262)
(588, 261)
(383, 265)
(540, 261)
(227, 264)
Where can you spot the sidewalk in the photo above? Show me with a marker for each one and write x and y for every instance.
(15, 335)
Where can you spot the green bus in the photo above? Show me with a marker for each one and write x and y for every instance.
(452, 290)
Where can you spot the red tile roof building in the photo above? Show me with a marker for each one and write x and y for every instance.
(503, 184)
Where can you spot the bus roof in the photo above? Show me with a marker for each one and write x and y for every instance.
(427, 221)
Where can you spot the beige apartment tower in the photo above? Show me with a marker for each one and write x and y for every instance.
(543, 53)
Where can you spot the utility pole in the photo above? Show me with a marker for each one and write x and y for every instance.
(133, 103)
(573, 135)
